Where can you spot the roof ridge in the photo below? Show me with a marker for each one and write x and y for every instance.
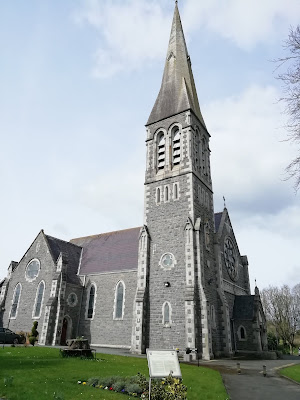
(106, 233)
(61, 240)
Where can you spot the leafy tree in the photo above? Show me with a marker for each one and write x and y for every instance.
(291, 95)
(282, 309)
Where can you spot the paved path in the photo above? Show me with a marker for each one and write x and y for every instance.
(251, 383)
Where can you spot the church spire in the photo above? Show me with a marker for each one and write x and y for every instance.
(178, 92)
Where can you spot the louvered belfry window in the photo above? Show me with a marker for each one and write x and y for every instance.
(176, 146)
(161, 151)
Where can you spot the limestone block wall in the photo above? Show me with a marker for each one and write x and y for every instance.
(103, 329)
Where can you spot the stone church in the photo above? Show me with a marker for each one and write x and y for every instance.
(178, 281)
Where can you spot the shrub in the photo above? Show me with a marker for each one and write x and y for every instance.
(133, 388)
(93, 381)
(34, 334)
(119, 385)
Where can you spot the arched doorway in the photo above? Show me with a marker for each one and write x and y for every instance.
(66, 330)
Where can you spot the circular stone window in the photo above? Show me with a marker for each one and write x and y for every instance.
(167, 261)
(230, 259)
(72, 299)
(33, 269)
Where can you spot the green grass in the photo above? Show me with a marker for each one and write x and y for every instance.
(292, 372)
(36, 373)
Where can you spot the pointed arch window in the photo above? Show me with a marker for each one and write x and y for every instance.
(119, 300)
(158, 195)
(91, 302)
(161, 151)
(166, 193)
(39, 300)
(16, 300)
(167, 313)
(175, 191)
(176, 151)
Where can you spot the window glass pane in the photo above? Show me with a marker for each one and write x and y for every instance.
(119, 305)
(39, 300)
(166, 314)
(16, 298)
(91, 302)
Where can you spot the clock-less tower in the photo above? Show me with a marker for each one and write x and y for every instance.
(177, 295)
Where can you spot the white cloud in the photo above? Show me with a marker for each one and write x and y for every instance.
(134, 33)
(248, 161)
(247, 147)
(246, 23)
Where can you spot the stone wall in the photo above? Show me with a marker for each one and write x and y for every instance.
(24, 319)
(103, 329)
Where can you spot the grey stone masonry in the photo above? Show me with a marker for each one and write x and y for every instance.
(103, 329)
(24, 318)
(139, 339)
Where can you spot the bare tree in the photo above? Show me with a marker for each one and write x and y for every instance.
(291, 96)
(282, 309)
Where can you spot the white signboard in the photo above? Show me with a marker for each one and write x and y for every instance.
(162, 363)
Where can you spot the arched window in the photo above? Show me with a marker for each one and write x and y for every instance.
(91, 301)
(119, 302)
(157, 195)
(242, 333)
(16, 299)
(161, 151)
(175, 191)
(39, 300)
(176, 146)
(166, 193)
(167, 314)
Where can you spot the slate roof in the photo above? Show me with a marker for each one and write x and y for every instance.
(218, 217)
(109, 252)
(73, 253)
(243, 307)
(178, 91)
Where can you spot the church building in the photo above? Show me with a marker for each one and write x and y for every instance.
(177, 281)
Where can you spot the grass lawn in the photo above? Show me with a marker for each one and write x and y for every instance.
(40, 372)
(292, 372)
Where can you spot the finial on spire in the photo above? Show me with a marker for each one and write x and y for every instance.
(255, 281)
(224, 201)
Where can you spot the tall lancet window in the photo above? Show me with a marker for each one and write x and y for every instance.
(176, 145)
(161, 151)
(16, 299)
(39, 300)
(119, 301)
(91, 302)
(167, 314)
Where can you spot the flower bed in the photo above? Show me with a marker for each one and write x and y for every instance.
(138, 386)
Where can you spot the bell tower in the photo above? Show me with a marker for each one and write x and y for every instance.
(180, 284)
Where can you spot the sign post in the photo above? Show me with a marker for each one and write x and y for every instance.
(162, 363)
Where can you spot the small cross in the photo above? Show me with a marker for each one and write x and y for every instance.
(224, 202)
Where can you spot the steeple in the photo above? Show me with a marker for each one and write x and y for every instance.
(178, 92)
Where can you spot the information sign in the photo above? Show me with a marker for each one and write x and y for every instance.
(162, 363)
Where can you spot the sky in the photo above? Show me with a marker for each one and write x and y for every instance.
(78, 81)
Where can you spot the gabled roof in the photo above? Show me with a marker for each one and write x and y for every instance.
(178, 91)
(109, 252)
(73, 253)
(218, 217)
